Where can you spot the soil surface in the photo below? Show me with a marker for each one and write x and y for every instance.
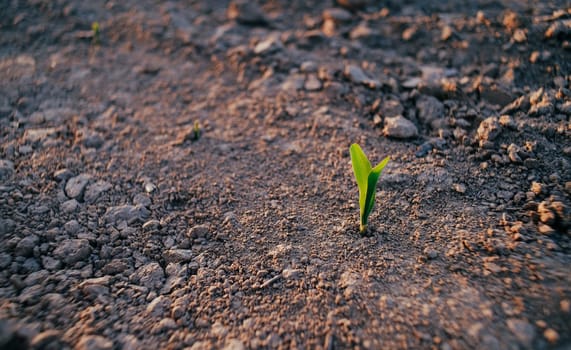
(176, 175)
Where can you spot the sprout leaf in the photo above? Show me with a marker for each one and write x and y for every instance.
(367, 178)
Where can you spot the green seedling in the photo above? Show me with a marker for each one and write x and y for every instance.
(196, 131)
(367, 178)
(96, 33)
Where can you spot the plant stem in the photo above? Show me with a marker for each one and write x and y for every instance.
(362, 228)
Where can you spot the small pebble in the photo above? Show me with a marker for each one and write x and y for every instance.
(551, 335)
(75, 186)
(565, 305)
(536, 187)
(430, 253)
(69, 206)
(460, 188)
(312, 83)
(198, 231)
(399, 128)
(152, 225)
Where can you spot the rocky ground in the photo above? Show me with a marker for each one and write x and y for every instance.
(122, 227)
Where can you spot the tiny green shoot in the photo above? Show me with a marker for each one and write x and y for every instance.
(367, 178)
(196, 131)
(96, 33)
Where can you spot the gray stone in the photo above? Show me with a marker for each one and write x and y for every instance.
(430, 253)
(50, 263)
(269, 45)
(400, 128)
(312, 83)
(432, 77)
(149, 187)
(293, 83)
(150, 275)
(5, 260)
(75, 186)
(6, 169)
(26, 246)
(95, 287)
(391, 108)
(62, 174)
(176, 269)
(93, 140)
(178, 255)
(94, 342)
(357, 76)
(523, 331)
(115, 266)
(7, 226)
(30, 265)
(159, 306)
(25, 149)
(72, 227)
(198, 231)
(69, 206)
(128, 213)
(246, 12)
(308, 67)
(94, 190)
(412, 82)
(71, 251)
(429, 109)
(152, 225)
